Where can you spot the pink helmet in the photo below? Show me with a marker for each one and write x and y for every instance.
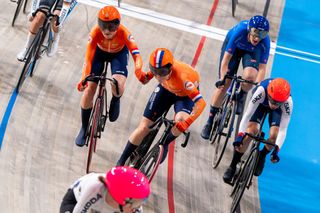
(125, 182)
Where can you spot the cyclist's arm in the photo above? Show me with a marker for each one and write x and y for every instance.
(257, 98)
(199, 104)
(224, 64)
(134, 51)
(91, 49)
(285, 119)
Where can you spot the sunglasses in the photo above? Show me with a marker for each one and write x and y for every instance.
(163, 71)
(273, 102)
(109, 25)
(258, 33)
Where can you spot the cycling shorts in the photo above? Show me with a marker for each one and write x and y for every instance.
(249, 59)
(161, 100)
(119, 62)
(46, 4)
(69, 202)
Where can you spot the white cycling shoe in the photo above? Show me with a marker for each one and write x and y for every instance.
(21, 55)
(54, 46)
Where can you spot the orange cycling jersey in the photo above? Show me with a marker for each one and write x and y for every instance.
(122, 38)
(184, 81)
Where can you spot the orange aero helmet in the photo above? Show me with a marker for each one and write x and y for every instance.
(160, 61)
(279, 89)
(109, 18)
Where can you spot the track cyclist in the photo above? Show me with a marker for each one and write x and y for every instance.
(121, 189)
(109, 41)
(37, 16)
(249, 41)
(271, 97)
(178, 86)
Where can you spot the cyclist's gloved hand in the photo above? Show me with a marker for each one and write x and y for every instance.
(274, 155)
(144, 78)
(82, 86)
(239, 139)
(220, 83)
(183, 125)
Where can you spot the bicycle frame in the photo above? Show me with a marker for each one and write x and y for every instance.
(243, 178)
(148, 161)
(225, 118)
(99, 113)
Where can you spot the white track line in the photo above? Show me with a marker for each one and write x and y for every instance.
(193, 27)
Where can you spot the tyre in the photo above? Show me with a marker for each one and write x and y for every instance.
(243, 180)
(227, 121)
(92, 139)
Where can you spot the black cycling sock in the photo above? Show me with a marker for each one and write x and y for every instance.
(235, 159)
(213, 112)
(264, 152)
(126, 153)
(170, 138)
(85, 116)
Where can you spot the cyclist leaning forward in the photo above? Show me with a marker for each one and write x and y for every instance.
(271, 97)
(249, 41)
(109, 41)
(178, 86)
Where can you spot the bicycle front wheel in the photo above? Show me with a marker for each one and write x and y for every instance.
(151, 162)
(136, 157)
(16, 13)
(93, 129)
(227, 121)
(242, 181)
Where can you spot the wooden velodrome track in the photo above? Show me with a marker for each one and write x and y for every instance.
(38, 158)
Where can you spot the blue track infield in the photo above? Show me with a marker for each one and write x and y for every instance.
(293, 184)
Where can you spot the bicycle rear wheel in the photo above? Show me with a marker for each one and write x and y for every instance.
(16, 13)
(93, 130)
(234, 5)
(243, 180)
(151, 162)
(226, 122)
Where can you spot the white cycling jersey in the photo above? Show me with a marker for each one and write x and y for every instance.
(90, 194)
(260, 97)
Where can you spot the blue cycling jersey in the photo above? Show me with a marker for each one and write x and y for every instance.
(237, 38)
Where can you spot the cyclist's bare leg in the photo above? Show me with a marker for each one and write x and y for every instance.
(86, 108)
(121, 79)
(216, 102)
(219, 93)
(33, 29)
(115, 101)
(88, 95)
(249, 73)
(253, 128)
(135, 139)
(141, 131)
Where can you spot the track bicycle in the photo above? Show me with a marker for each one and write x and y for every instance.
(246, 168)
(223, 124)
(99, 113)
(41, 44)
(38, 46)
(147, 160)
(18, 9)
